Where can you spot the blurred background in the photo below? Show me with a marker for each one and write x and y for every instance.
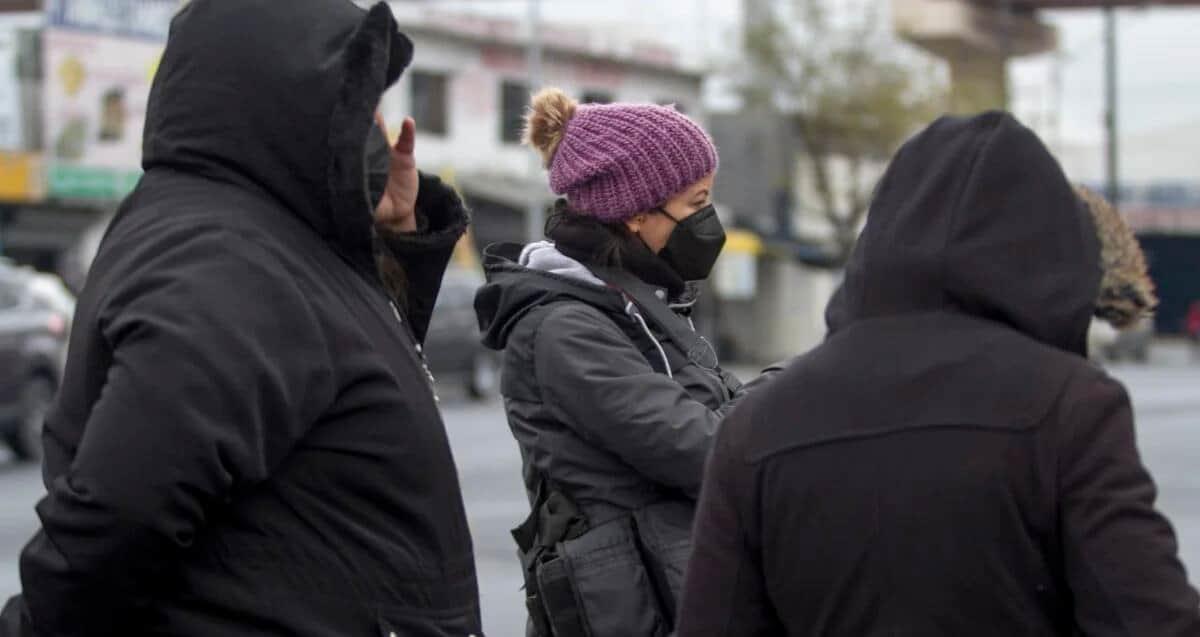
(806, 100)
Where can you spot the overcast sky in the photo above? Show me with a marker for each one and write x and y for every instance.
(1159, 71)
(1159, 55)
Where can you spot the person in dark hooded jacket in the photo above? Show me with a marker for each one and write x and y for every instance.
(246, 440)
(948, 462)
(613, 397)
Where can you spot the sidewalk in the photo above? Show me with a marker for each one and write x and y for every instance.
(1173, 352)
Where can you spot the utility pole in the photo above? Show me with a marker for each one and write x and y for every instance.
(536, 214)
(1112, 166)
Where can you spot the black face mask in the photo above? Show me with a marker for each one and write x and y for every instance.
(378, 159)
(694, 245)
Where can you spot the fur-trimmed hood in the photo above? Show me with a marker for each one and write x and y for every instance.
(278, 97)
(975, 216)
(1126, 290)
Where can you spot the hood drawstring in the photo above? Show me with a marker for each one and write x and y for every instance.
(681, 306)
(684, 309)
(631, 310)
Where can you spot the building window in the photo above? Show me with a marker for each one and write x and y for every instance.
(596, 97)
(429, 105)
(514, 98)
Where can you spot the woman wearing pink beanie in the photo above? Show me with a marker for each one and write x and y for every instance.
(612, 396)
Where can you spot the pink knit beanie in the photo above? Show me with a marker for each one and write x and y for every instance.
(613, 161)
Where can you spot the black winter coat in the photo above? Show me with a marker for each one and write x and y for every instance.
(948, 462)
(246, 441)
(594, 410)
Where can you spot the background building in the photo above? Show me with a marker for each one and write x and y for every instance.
(468, 89)
(74, 79)
(74, 75)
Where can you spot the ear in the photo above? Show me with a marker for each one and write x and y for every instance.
(636, 222)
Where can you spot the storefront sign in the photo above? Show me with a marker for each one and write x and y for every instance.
(21, 177)
(100, 57)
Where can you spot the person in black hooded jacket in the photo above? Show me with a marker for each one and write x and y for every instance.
(948, 462)
(246, 440)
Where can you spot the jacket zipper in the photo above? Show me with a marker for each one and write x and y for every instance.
(419, 349)
(376, 284)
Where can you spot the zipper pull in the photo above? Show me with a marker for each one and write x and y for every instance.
(420, 354)
(431, 379)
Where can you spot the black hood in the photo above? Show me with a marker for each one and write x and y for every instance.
(975, 216)
(513, 290)
(278, 97)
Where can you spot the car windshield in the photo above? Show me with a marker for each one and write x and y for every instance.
(9, 299)
(24, 286)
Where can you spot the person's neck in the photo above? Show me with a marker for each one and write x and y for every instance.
(650, 268)
(581, 237)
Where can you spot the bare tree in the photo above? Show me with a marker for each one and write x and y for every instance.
(850, 95)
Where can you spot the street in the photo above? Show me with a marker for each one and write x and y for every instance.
(1167, 399)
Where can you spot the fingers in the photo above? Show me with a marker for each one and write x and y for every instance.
(407, 140)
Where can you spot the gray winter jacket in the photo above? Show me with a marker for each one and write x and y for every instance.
(605, 405)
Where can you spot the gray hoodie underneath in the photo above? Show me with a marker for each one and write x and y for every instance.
(543, 256)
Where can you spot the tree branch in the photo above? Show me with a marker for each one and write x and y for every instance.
(849, 95)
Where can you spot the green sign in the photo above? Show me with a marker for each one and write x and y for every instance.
(81, 182)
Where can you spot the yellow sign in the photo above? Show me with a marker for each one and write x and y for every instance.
(465, 253)
(72, 74)
(21, 177)
(152, 70)
(744, 242)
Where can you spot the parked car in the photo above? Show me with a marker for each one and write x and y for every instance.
(453, 345)
(35, 315)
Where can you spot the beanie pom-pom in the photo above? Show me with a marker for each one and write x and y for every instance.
(546, 121)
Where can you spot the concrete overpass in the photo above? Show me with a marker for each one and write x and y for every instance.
(978, 37)
(976, 41)
(1079, 4)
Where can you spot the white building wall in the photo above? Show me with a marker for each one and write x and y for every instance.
(476, 71)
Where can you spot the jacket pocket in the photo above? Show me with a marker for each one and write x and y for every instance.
(614, 591)
(664, 531)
